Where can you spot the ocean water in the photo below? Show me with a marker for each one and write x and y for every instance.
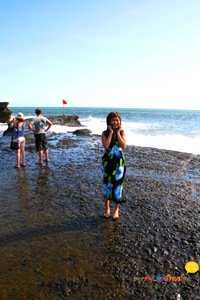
(177, 130)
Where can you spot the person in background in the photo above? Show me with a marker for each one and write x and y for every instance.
(113, 163)
(40, 125)
(18, 126)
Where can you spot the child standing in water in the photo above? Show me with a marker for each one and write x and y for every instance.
(113, 162)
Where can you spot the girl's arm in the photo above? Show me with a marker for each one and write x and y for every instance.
(107, 140)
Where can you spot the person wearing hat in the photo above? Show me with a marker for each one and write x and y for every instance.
(18, 126)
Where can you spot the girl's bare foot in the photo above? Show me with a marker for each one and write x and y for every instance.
(107, 209)
(107, 215)
(116, 212)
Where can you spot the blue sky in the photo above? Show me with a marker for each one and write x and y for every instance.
(112, 53)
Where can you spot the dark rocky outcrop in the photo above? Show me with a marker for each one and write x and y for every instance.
(66, 120)
(5, 113)
(82, 132)
(62, 120)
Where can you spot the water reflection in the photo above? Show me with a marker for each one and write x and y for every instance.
(42, 185)
(30, 195)
(23, 187)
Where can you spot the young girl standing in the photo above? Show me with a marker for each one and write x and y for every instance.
(113, 162)
(19, 125)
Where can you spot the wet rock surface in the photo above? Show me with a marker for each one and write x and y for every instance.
(83, 132)
(54, 243)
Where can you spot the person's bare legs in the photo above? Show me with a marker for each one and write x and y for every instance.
(107, 209)
(46, 151)
(40, 156)
(17, 158)
(22, 148)
(116, 212)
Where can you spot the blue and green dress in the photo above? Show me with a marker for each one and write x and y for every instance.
(114, 170)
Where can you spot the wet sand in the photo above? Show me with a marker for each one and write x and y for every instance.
(54, 243)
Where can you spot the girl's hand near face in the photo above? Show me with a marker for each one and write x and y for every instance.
(119, 129)
(110, 129)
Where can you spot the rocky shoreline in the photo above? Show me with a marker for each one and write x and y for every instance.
(71, 121)
(56, 245)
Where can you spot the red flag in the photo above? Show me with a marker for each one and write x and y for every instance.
(64, 101)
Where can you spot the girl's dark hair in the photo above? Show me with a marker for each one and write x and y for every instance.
(112, 115)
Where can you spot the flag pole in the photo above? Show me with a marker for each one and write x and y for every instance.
(64, 102)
